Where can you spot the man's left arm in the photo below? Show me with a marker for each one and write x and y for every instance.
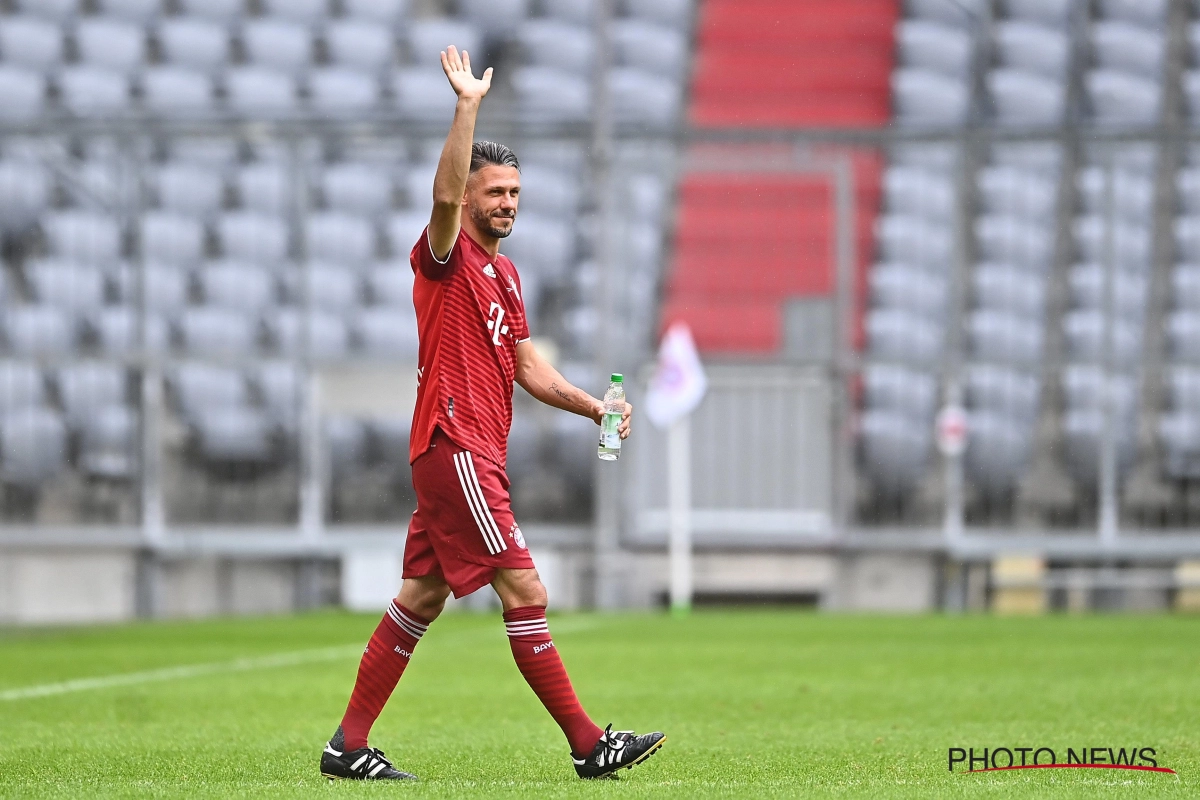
(538, 377)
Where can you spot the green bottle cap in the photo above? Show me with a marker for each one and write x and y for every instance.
(617, 378)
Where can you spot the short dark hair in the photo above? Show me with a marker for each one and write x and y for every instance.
(492, 153)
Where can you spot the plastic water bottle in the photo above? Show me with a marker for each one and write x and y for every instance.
(614, 409)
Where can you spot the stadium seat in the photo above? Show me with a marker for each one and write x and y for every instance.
(557, 43)
(194, 43)
(391, 284)
(1121, 97)
(333, 289)
(541, 244)
(260, 91)
(39, 331)
(196, 387)
(358, 188)
(1020, 97)
(111, 44)
(233, 437)
(669, 12)
(1002, 390)
(1087, 339)
(547, 94)
(56, 10)
(177, 92)
(1187, 183)
(117, 332)
(224, 11)
(346, 445)
(108, 444)
(999, 336)
(85, 387)
(67, 286)
(423, 94)
(306, 11)
(428, 37)
(896, 388)
(579, 12)
(915, 190)
(1128, 290)
(343, 92)
(1005, 289)
(264, 187)
(912, 240)
(1012, 191)
(361, 44)
(24, 193)
(1025, 45)
(31, 42)
(239, 287)
(1011, 240)
(404, 229)
(171, 238)
(902, 286)
(1126, 47)
(217, 153)
(164, 287)
(33, 447)
(935, 46)
(1152, 13)
(1185, 286)
(278, 44)
(133, 10)
(387, 332)
(998, 449)
(24, 93)
(1183, 385)
(188, 189)
(21, 385)
(903, 336)
(894, 450)
(642, 98)
(327, 337)
(88, 91)
(215, 331)
(494, 17)
(389, 438)
(339, 237)
(1131, 241)
(925, 97)
(388, 12)
(1050, 12)
(1083, 432)
(253, 236)
(1132, 193)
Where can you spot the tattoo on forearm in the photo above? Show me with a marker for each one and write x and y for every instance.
(554, 388)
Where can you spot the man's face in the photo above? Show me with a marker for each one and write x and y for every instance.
(491, 199)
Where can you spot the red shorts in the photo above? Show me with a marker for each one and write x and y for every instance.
(463, 529)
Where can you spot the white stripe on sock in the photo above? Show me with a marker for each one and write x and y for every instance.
(402, 622)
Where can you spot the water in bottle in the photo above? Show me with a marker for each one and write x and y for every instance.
(614, 409)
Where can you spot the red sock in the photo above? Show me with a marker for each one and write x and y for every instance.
(538, 661)
(382, 664)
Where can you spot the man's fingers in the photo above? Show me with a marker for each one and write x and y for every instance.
(466, 62)
(455, 60)
(445, 64)
(487, 76)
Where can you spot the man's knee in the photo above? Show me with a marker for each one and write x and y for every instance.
(520, 588)
(425, 595)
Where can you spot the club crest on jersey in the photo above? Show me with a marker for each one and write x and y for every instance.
(515, 534)
(490, 271)
(512, 287)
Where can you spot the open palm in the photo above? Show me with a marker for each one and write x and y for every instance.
(458, 70)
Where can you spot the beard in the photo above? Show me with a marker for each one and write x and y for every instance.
(486, 224)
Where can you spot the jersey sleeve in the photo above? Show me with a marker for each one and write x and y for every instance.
(423, 260)
(522, 328)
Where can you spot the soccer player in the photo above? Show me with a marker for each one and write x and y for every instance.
(474, 342)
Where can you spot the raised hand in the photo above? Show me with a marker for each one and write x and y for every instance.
(458, 70)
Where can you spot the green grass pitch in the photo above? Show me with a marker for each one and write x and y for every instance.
(755, 704)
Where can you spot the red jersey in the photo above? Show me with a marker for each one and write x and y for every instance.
(470, 317)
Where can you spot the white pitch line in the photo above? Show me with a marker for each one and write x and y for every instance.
(181, 672)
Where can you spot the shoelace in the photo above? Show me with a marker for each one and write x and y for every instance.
(372, 763)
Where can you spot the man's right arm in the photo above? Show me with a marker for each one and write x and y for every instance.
(450, 182)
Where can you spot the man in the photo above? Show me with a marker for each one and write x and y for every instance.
(474, 342)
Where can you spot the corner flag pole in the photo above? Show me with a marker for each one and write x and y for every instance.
(679, 513)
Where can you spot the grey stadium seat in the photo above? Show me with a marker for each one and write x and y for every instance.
(389, 439)
(548, 94)
(926, 97)
(343, 91)
(339, 237)
(428, 37)
(264, 187)
(1083, 431)
(88, 91)
(1012, 290)
(189, 188)
(164, 288)
(33, 447)
(1005, 391)
(346, 445)
(391, 285)
(86, 386)
(1123, 46)
(1185, 286)
(134, 10)
(1015, 241)
(39, 330)
(546, 190)
(171, 238)
(177, 92)
(111, 44)
(902, 286)
(305, 11)
(21, 385)
(388, 332)
(494, 16)
(254, 237)
(278, 44)
(357, 188)
(998, 450)
(643, 98)
(24, 193)
(1144, 12)
(1023, 44)
(557, 43)
(1183, 384)
(108, 443)
(200, 387)
(1121, 97)
(279, 384)
(361, 44)
(895, 451)
(333, 289)
(573, 439)
(1012, 191)
(913, 240)
(669, 12)
(236, 435)
(580, 12)
(388, 12)
(28, 41)
(903, 336)
(917, 190)
(213, 331)
(70, 287)
(1187, 182)
(1049, 12)
(256, 91)
(1021, 97)
(541, 244)
(656, 48)
(216, 10)
(1133, 193)
(421, 94)
(1131, 241)
(117, 331)
(1128, 290)
(328, 337)
(899, 388)
(1086, 338)
(24, 92)
(239, 287)
(1000, 336)
(1183, 333)
(195, 43)
(404, 229)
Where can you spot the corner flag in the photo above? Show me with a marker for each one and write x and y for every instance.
(679, 382)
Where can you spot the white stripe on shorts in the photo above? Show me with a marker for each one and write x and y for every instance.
(491, 536)
(470, 459)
